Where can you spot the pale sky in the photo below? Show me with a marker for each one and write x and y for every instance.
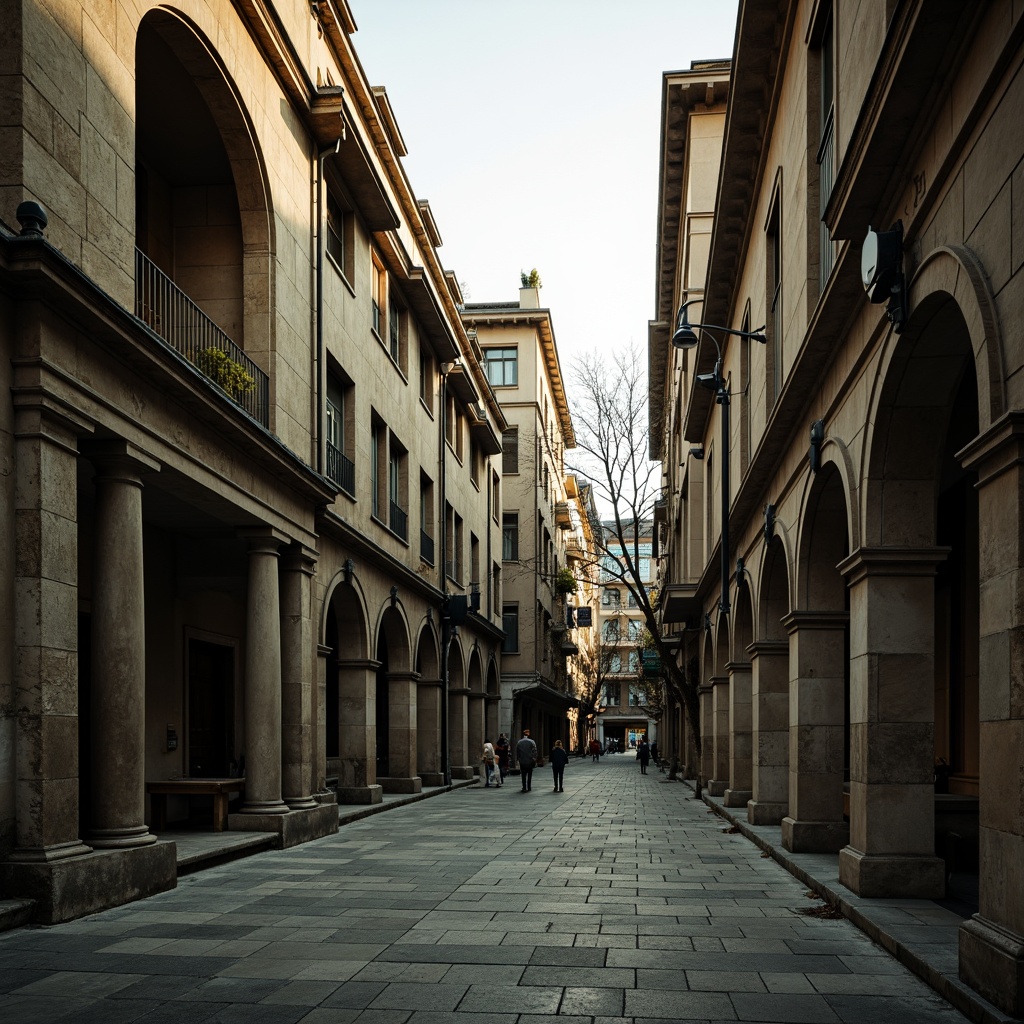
(533, 128)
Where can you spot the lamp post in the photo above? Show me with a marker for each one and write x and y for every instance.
(685, 337)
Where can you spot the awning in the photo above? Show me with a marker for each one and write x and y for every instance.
(541, 693)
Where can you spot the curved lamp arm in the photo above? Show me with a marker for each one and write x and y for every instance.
(685, 334)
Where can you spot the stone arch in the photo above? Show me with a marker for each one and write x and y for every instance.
(476, 710)
(428, 655)
(346, 598)
(774, 599)
(493, 688)
(427, 665)
(393, 630)
(823, 540)
(207, 71)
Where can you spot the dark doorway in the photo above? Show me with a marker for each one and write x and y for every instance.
(84, 723)
(211, 709)
(383, 718)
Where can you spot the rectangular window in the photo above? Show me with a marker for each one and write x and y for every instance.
(378, 295)
(398, 515)
(610, 632)
(426, 518)
(510, 624)
(427, 380)
(339, 440)
(510, 536)
(339, 237)
(496, 592)
(376, 467)
(502, 366)
(510, 450)
(495, 495)
(637, 696)
(394, 346)
(610, 695)
(610, 597)
(457, 553)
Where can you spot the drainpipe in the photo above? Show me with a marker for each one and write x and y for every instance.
(446, 622)
(319, 227)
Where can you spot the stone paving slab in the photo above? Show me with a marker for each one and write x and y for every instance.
(620, 901)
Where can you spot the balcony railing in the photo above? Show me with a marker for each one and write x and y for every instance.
(426, 547)
(398, 520)
(341, 469)
(167, 310)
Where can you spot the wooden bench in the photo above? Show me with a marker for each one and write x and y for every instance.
(219, 789)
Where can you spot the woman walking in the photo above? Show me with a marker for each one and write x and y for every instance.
(491, 769)
(559, 759)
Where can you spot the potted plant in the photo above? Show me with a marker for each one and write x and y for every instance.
(225, 372)
(565, 582)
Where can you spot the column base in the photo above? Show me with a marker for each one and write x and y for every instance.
(71, 887)
(717, 788)
(360, 794)
(992, 963)
(396, 784)
(293, 828)
(300, 803)
(814, 836)
(737, 797)
(432, 778)
(918, 877)
(120, 838)
(261, 807)
(462, 771)
(765, 812)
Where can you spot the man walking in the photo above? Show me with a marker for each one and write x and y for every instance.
(526, 755)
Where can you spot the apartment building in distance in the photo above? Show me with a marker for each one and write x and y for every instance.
(518, 348)
(628, 705)
(251, 526)
(846, 573)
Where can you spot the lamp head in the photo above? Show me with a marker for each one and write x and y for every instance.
(697, 451)
(684, 335)
(708, 380)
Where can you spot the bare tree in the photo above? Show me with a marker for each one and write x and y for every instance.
(610, 419)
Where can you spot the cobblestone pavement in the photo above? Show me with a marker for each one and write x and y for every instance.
(621, 899)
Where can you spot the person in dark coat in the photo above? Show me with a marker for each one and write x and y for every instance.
(595, 749)
(643, 755)
(559, 759)
(501, 748)
(526, 755)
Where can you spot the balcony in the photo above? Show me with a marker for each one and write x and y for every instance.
(563, 517)
(170, 313)
(398, 520)
(341, 469)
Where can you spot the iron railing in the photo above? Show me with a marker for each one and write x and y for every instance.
(341, 469)
(398, 520)
(426, 547)
(167, 310)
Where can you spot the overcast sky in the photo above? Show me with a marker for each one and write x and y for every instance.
(533, 129)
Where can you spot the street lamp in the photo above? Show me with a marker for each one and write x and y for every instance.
(684, 337)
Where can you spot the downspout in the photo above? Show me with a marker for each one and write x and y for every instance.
(446, 622)
(318, 360)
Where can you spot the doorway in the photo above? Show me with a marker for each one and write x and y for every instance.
(211, 709)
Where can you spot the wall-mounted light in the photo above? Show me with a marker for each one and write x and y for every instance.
(697, 452)
(685, 334)
(881, 272)
(769, 523)
(394, 596)
(741, 568)
(817, 438)
(348, 570)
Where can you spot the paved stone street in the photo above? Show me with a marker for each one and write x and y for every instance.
(621, 898)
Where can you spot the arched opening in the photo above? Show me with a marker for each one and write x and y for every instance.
(740, 696)
(393, 691)
(493, 702)
(204, 236)
(476, 709)
(769, 683)
(428, 709)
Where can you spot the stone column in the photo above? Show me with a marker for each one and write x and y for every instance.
(320, 731)
(402, 720)
(720, 717)
(357, 732)
(428, 732)
(769, 662)
(263, 677)
(817, 716)
(45, 616)
(706, 767)
(118, 741)
(475, 735)
(740, 715)
(297, 569)
(992, 941)
(892, 725)
(458, 727)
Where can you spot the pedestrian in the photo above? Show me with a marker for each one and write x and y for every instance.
(490, 761)
(654, 751)
(595, 750)
(559, 759)
(643, 755)
(526, 755)
(501, 748)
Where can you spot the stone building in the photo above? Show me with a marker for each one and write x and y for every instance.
(518, 344)
(246, 443)
(845, 574)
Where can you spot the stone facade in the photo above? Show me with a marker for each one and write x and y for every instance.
(246, 444)
(873, 496)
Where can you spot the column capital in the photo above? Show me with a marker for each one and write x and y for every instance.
(892, 561)
(403, 677)
(733, 667)
(768, 649)
(263, 538)
(996, 450)
(795, 621)
(365, 663)
(40, 415)
(299, 558)
(113, 457)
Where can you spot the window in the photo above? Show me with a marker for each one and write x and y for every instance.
(615, 662)
(510, 450)
(376, 467)
(637, 696)
(454, 427)
(510, 624)
(378, 295)
(393, 330)
(339, 441)
(496, 592)
(495, 494)
(826, 158)
(636, 629)
(610, 695)
(610, 597)
(427, 380)
(631, 601)
(398, 516)
(773, 239)
(611, 630)
(457, 552)
(502, 366)
(510, 536)
(474, 561)
(339, 237)
(426, 518)
(474, 463)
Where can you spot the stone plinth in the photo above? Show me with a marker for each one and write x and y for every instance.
(293, 827)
